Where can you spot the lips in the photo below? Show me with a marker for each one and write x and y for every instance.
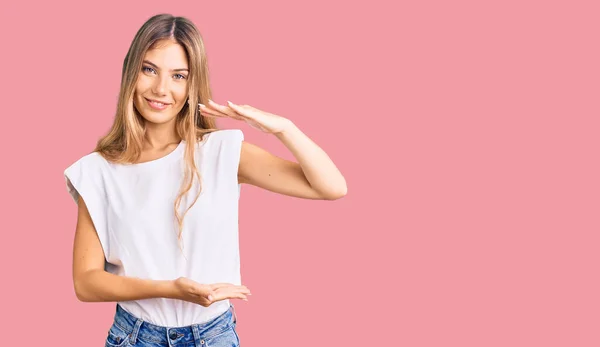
(157, 105)
(158, 101)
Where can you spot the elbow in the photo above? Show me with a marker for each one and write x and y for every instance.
(82, 298)
(80, 291)
(80, 295)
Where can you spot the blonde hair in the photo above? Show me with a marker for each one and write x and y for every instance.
(124, 141)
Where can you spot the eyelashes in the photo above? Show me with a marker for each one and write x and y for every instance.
(145, 68)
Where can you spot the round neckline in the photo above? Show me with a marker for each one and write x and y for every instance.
(167, 158)
(162, 160)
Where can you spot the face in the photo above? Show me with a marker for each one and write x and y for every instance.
(163, 78)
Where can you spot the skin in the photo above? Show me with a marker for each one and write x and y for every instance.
(159, 81)
(313, 176)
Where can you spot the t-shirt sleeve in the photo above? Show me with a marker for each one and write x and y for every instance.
(84, 178)
(228, 145)
(236, 139)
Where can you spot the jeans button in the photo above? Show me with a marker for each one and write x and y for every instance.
(173, 335)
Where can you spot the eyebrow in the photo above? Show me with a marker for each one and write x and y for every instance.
(154, 65)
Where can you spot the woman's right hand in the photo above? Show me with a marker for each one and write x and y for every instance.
(206, 294)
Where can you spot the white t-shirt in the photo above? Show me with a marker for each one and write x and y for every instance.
(132, 208)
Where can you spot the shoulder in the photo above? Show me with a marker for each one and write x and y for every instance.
(225, 138)
(227, 135)
(84, 177)
(90, 164)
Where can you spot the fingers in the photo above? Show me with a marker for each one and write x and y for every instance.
(215, 110)
(232, 289)
(235, 289)
(206, 112)
(219, 285)
(228, 291)
(243, 107)
(228, 287)
(228, 295)
(215, 286)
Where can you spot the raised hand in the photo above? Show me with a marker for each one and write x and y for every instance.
(206, 294)
(261, 120)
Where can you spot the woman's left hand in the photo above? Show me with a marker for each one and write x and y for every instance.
(261, 120)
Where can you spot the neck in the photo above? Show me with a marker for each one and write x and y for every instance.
(157, 138)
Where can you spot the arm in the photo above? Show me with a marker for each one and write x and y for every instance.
(93, 283)
(314, 176)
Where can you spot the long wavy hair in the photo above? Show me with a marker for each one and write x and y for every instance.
(124, 142)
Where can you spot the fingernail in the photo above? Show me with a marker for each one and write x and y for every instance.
(230, 103)
(202, 105)
(210, 297)
(245, 299)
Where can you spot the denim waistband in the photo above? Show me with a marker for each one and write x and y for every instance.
(138, 328)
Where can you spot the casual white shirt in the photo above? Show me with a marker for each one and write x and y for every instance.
(132, 208)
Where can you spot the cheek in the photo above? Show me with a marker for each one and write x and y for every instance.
(180, 93)
(137, 94)
(142, 85)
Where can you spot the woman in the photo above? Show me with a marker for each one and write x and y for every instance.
(157, 199)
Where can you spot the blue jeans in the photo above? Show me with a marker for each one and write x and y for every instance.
(128, 330)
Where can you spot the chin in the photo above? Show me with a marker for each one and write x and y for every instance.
(158, 118)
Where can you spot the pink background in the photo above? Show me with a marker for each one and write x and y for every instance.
(467, 132)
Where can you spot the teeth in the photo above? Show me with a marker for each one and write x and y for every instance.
(157, 103)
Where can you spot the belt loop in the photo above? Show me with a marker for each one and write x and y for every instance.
(136, 329)
(233, 313)
(196, 333)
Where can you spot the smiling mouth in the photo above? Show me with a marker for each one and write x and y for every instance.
(157, 105)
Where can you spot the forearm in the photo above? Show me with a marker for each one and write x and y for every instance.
(318, 168)
(99, 285)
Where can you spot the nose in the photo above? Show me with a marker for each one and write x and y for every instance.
(160, 85)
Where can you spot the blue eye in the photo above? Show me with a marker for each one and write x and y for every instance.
(149, 68)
